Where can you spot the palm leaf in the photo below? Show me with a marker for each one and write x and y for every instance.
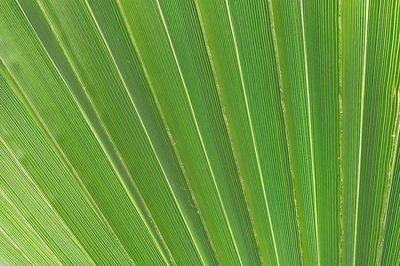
(199, 132)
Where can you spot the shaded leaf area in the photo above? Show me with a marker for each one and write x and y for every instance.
(199, 132)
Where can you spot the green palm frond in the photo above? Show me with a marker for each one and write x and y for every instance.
(199, 132)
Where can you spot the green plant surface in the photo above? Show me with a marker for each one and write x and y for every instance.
(199, 132)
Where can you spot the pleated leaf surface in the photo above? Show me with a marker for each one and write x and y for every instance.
(199, 132)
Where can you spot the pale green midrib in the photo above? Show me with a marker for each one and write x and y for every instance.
(198, 131)
(170, 138)
(310, 130)
(285, 124)
(26, 223)
(28, 175)
(361, 130)
(341, 135)
(100, 141)
(252, 130)
(212, 65)
(351, 21)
